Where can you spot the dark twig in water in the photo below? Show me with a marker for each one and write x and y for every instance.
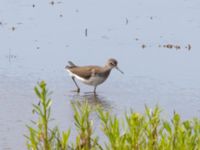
(143, 46)
(126, 21)
(189, 47)
(13, 28)
(10, 56)
(52, 2)
(86, 32)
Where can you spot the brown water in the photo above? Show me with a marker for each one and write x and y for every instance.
(155, 42)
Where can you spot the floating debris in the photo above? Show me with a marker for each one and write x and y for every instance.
(13, 28)
(168, 46)
(177, 47)
(143, 46)
(52, 2)
(136, 39)
(188, 47)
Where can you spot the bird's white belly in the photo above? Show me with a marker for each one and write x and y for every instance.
(94, 80)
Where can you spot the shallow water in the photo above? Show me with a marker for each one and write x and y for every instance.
(38, 38)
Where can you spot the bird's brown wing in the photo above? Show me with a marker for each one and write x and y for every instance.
(85, 72)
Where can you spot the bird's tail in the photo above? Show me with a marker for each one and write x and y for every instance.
(71, 65)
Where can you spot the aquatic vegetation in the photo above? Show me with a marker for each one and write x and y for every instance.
(41, 137)
(137, 131)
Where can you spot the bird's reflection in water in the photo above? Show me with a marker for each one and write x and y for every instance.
(92, 99)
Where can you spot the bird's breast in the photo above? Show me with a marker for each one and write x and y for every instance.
(95, 80)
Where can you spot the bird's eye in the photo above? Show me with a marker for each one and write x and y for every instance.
(111, 64)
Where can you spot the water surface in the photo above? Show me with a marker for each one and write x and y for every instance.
(38, 38)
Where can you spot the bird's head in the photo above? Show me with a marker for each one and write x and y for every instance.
(112, 63)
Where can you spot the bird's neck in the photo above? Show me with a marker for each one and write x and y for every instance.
(107, 67)
(106, 71)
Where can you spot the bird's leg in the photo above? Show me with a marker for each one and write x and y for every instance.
(78, 89)
(95, 90)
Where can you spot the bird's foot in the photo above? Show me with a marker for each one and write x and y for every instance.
(77, 90)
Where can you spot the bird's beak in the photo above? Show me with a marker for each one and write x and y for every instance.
(119, 70)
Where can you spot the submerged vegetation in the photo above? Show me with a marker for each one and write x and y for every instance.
(137, 132)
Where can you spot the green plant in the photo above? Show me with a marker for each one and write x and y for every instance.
(146, 131)
(152, 127)
(84, 126)
(41, 137)
(111, 128)
(135, 132)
